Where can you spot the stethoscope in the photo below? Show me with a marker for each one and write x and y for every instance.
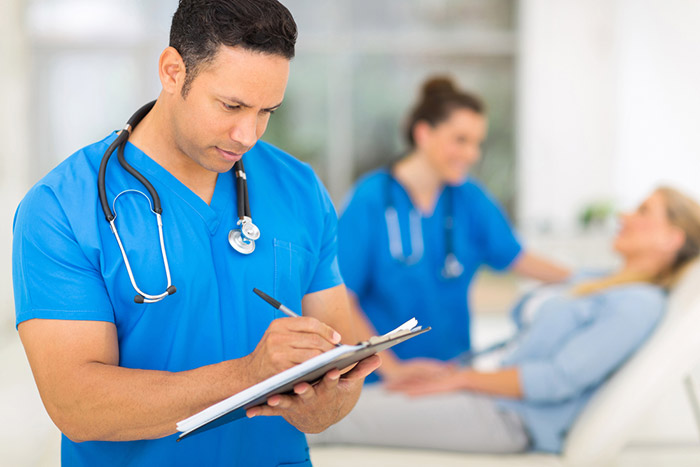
(241, 239)
(452, 268)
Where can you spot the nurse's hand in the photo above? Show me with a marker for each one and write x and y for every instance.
(455, 381)
(313, 408)
(288, 342)
(415, 370)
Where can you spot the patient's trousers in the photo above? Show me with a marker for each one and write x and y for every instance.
(464, 421)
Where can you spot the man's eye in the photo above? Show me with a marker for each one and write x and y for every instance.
(230, 107)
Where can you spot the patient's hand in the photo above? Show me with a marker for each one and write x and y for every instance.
(415, 370)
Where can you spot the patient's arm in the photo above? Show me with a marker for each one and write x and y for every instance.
(535, 267)
(504, 383)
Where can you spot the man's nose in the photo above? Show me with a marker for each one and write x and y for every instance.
(244, 131)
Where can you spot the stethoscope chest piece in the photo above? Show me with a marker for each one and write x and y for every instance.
(243, 240)
(239, 243)
(452, 268)
(249, 230)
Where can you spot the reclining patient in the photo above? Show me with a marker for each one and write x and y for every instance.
(580, 334)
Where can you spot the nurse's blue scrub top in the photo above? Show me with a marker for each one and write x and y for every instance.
(67, 265)
(390, 291)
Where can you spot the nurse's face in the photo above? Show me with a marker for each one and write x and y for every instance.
(453, 146)
(228, 106)
(647, 232)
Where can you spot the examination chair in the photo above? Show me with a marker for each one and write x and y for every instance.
(609, 419)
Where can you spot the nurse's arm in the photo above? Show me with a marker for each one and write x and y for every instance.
(536, 267)
(314, 408)
(90, 397)
(392, 367)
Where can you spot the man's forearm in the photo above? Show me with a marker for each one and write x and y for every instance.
(90, 397)
(112, 403)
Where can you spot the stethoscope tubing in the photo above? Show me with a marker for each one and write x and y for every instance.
(142, 296)
(120, 142)
(452, 267)
(242, 239)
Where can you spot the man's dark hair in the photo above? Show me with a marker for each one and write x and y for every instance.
(200, 27)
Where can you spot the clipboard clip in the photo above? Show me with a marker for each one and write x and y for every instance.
(406, 328)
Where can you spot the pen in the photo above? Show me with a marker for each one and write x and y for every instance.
(278, 305)
(275, 303)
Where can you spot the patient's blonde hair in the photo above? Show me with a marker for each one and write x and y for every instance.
(683, 212)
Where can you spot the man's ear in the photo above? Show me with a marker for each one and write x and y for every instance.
(171, 70)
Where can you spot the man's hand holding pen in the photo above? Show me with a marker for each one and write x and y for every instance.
(290, 341)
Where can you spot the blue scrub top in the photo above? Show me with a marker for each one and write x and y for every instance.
(390, 291)
(67, 265)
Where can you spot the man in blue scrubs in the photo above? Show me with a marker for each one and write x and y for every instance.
(116, 375)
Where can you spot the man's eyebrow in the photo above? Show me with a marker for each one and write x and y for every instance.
(274, 107)
(239, 102)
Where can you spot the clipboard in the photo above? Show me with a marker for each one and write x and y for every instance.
(310, 371)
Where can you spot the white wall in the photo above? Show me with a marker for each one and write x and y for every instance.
(608, 103)
(565, 123)
(14, 96)
(658, 96)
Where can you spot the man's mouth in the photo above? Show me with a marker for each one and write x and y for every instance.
(229, 155)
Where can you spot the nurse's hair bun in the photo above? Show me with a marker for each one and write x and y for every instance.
(439, 98)
(439, 85)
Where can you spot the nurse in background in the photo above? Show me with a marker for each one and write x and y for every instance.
(413, 235)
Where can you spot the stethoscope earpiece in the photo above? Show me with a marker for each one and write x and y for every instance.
(141, 299)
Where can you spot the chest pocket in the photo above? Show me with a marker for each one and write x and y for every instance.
(294, 266)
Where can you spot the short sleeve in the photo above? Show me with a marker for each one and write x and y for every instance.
(500, 247)
(354, 244)
(327, 273)
(52, 276)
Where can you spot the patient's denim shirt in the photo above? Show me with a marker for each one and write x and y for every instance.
(572, 345)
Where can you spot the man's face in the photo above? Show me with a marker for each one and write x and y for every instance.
(228, 106)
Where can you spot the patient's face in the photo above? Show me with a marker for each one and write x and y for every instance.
(647, 230)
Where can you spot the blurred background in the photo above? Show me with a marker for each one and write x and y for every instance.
(592, 103)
